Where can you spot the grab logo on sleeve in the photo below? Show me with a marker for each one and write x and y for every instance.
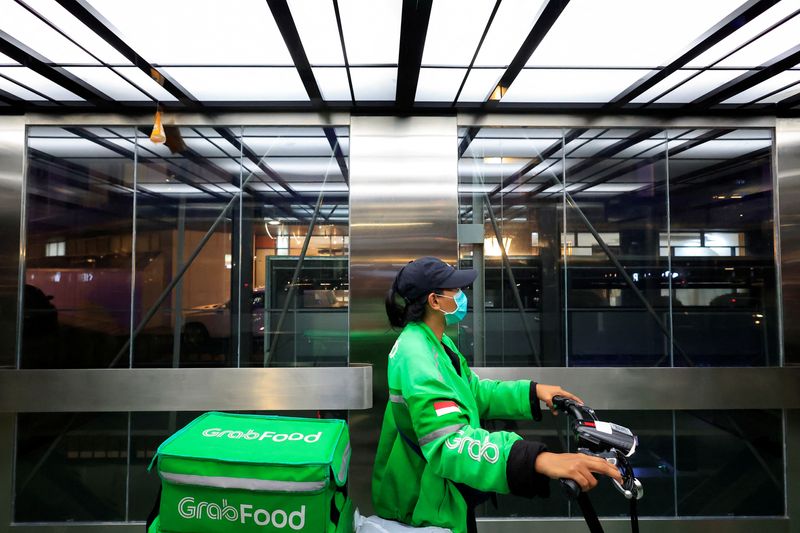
(257, 435)
(190, 509)
(476, 449)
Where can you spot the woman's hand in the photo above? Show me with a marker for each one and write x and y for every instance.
(546, 393)
(575, 466)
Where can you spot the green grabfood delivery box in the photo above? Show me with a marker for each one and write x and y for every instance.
(248, 473)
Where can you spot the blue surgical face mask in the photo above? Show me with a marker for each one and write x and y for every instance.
(457, 315)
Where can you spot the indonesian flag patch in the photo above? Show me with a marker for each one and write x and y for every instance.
(445, 408)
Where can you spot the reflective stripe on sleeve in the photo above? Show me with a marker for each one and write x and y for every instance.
(397, 398)
(433, 435)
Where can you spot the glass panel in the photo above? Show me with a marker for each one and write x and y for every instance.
(316, 23)
(738, 38)
(480, 84)
(67, 23)
(511, 25)
(454, 30)
(39, 83)
(146, 83)
(333, 83)
(617, 310)
(729, 463)
(180, 203)
(598, 34)
(775, 83)
(71, 467)
(371, 31)
(27, 28)
(776, 42)
(510, 171)
(699, 85)
(183, 31)
(240, 83)
(570, 85)
(299, 300)
(374, 83)
(723, 265)
(78, 248)
(109, 82)
(439, 84)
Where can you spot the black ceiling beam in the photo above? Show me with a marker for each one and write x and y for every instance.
(790, 102)
(750, 79)
(472, 132)
(547, 18)
(103, 28)
(330, 134)
(477, 50)
(413, 31)
(29, 58)
(693, 143)
(614, 149)
(717, 33)
(283, 18)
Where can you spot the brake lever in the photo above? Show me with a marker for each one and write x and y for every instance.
(629, 487)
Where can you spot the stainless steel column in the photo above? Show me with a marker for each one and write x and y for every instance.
(12, 161)
(403, 205)
(787, 149)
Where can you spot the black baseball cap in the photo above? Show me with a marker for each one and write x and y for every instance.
(427, 274)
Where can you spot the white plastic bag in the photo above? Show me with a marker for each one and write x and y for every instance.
(376, 524)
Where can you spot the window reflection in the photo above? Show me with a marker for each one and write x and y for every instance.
(631, 247)
(190, 273)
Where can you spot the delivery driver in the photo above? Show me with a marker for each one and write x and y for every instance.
(434, 462)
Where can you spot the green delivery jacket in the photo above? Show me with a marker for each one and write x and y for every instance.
(435, 412)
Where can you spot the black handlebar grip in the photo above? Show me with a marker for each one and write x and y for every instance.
(571, 488)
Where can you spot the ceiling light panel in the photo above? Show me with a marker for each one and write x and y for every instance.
(28, 29)
(333, 83)
(148, 84)
(39, 83)
(774, 83)
(771, 16)
(504, 148)
(699, 85)
(479, 85)
(289, 146)
(78, 31)
(5, 60)
(627, 33)
(767, 47)
(371, 31)
(511, 25)
(108, 82)
(664, 85)
(377, 84)
(561, 85)
(316, 24)
(719, 149)
(198, 32)
(777, 97)
(240, 83)
(454, 30)
(71, 148)
(439, 84)
(18, 91)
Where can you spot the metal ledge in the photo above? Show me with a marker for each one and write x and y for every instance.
(623, 525)
(185, 389)
(668, 388)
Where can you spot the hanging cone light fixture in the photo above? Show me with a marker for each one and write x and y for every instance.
(157, 135)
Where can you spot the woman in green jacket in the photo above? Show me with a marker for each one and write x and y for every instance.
(434, 462)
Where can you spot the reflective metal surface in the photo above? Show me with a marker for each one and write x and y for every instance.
(622, 121)
(402, 206)
(668, 388)
(787, 142)
(186, 389)
(12, 156)
(213, 119)
(617, 525)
